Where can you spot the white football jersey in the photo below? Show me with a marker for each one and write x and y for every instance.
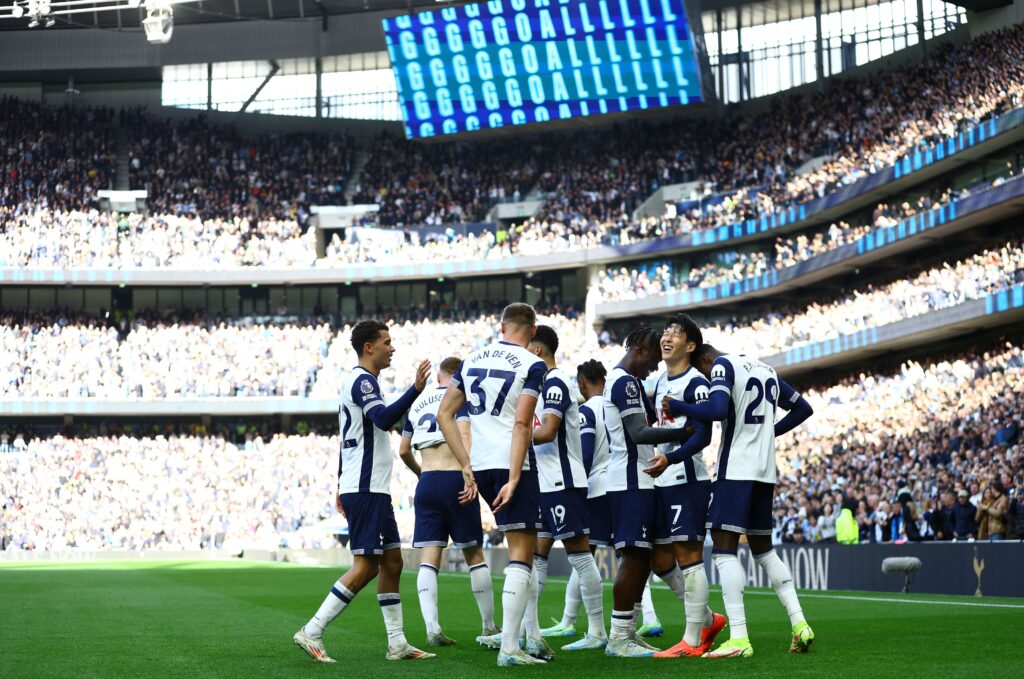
(421, 422)
(624, 396)
(592, 422)
(747, 448)
(691, 387)
(560, 462)
(492, 379)
(366, 460)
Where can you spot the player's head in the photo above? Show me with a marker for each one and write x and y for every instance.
(446, 371)
(372, 340)
(590, 378)
(518, 323)
(644, 350)
(681, 337)
(544, 343)
(703, 358)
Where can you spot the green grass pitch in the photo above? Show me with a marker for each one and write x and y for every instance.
(236, 619)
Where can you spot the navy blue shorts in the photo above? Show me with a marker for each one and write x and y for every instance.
(633, 517)
(741, 507)
(439, 514)
(523, 513)
(682, 512)
(599, 514)
(371, 523)
(564, 514)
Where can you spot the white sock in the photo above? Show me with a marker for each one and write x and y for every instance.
(695, 601)
(637, 612)
(782, 581)
(622, 623)
(673, 577)
(650, 615)
(733, 579)
(585, 568)
(391, 608)
(572, 600)
(483, 592)
(514, 596)
(426, 586)
(338, 599)
(540, 567)
(531, 621)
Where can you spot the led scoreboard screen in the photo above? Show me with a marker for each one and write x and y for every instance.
(516, 62)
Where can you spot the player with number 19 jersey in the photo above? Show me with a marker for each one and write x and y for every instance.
(560, 471)
(743, 491)
(492, 380)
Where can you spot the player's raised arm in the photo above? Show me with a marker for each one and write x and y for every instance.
(716, 408)
(366, 393)
(798, 407)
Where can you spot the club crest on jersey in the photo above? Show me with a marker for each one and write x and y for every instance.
(718, 372)
(700, 394)
(631, 390)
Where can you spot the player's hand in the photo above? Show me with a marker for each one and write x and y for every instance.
(504, 496)
(657, 465)
(340, 507)
(468, 493)
(422, 373)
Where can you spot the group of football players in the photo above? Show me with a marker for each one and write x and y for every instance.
(597, 463)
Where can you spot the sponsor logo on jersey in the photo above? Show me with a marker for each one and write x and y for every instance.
(700, 394)
(718, 372)
(553, 394)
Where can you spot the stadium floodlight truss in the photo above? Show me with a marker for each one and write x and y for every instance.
(158, 24)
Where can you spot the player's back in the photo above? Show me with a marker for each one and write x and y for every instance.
(366, 460)
(560, 462)
(689, 387)
(492, 379)
(624, 396)
(422, 419)
(747, 448)
(592, 421)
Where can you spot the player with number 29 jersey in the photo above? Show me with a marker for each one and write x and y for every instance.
(747, 448)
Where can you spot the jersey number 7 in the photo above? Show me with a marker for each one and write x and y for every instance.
(507, 377)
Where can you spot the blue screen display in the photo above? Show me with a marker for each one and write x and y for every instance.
(517, 62)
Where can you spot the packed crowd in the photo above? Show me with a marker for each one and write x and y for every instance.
(625, 283)
(876, 305)
(54, 156)
(93, 239)
(932, 452)
(43, 356)
(195, 167)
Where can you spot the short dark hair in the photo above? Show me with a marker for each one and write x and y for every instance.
(547, 337)
(690, 329)
(643, 337)
(366, 332)
(592, 371)
(450, 365)
(519, 314)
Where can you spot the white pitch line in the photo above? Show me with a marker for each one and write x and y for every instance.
(815, 595)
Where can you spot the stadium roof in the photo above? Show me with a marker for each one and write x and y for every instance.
(755, 12)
